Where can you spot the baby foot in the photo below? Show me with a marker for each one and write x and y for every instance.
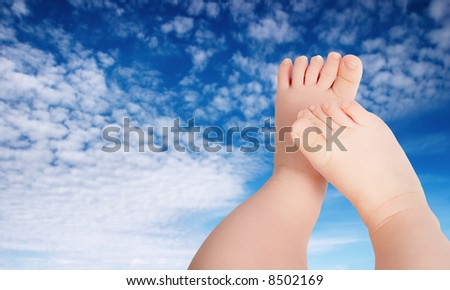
(365, 163)
(301, 86)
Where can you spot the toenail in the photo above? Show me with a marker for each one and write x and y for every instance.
(325, 106)
(300, 114)
(350, 64)
(335, 55)
(312, 108)
(285, 61)
(303, 58)
(317, 58)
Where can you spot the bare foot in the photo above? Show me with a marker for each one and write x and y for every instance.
(365, 163)
(301, 86)
(357, 152)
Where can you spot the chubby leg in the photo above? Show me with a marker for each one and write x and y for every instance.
(271, 229)
(370, 168)
(411, 239)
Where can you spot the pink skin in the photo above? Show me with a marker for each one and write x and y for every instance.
(376, 176)
(271, 229)
(301, 86)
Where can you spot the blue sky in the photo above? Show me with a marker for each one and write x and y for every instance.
(69, 69)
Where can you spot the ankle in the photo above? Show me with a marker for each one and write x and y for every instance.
(301, 193)
(388, 211)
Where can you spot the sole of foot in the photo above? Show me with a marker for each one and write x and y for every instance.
(357, 152)
(301, 85)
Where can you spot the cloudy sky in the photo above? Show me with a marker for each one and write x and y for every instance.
(70, 69)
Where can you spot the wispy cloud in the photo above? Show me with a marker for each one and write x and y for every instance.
(76, 207)
(66, 204)
(180, 24)
(19, 7)
(273, 28)
(427, 144)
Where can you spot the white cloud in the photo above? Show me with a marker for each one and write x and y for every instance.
(105, 59)
(191, 96)
(19, 8)
(276, 28)
(72, 205)
(306, 9)
(303, 5)
(153, 42)
(397, 32)
(349, 38)
(254, 87)
(97, 214)
(369, 4)
(441, 36)
(432, 143)
(373, 63)
(94, 4)
(189, 80)
(252, 99)
(7, 33)
(439, 9)
(196, 7)
(125, 28)
(180, 24)
(253, 105)
(241, 10)
(342, 27)
(200, 57)
(375, 44)
(207, 37)
(396, 83)
(222, 103)
(212, 9)
(266, 72)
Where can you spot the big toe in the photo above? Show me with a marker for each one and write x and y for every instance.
(349, 76)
